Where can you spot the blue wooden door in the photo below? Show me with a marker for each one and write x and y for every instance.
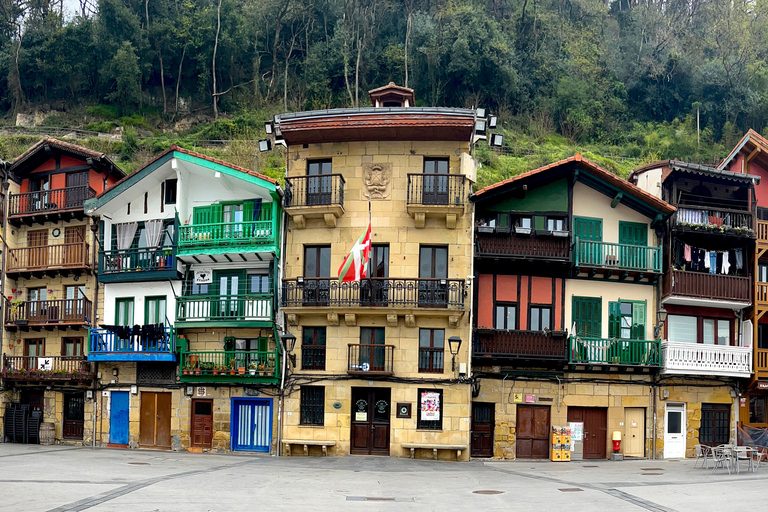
(251, 424)
(118, 418)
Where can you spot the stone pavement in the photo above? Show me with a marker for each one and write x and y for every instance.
(61, 478)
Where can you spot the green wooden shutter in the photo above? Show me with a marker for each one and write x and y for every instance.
(638, 320)
(614, 319)
(201, 215)
(587, 314)
(248, 210)
(217, 213)
(588, 228)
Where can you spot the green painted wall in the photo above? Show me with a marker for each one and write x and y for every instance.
(549, 198)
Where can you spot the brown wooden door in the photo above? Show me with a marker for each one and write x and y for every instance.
(202, 423)
(37, 241)
(483, 423)
(370, 421)
(74, 249)
(77, 196)
(595, 421)
(533, 432)
(74, 415)
(155, 424)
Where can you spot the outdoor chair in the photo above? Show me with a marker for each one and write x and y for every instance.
(743, 453)
(703, 452)
(722, 456)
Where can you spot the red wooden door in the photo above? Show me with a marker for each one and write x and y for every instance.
(202, 423)
(483, 423)
(533, 432)
(595, 421)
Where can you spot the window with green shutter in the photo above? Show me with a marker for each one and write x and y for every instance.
(587, 314)
(626, 320)
(588, 228)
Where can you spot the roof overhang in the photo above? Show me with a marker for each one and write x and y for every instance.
(48, 148)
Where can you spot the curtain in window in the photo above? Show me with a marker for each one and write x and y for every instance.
(125, 233)
(154, 231)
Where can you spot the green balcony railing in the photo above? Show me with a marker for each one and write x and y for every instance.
(212, 308)
(227, 234)
(614, 351)
(640, 258)
(229, 366)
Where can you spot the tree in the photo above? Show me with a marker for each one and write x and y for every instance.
(125, 77)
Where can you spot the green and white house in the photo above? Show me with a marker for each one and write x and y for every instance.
(192, 243)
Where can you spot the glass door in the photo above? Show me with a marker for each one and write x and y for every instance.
(229, 304)
(435, 181)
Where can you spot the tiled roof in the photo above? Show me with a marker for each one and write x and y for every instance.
(63, 146)
(750, 135)
(594, 169)
(703, 170)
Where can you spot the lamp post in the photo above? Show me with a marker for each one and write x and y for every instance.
(661, 319)
(289, 342)
(454, 344)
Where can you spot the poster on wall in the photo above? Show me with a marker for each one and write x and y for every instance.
(430, 406)
(203, 276)
(577, 431)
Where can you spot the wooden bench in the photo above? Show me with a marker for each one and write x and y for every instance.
(434, 447)
(306, 443)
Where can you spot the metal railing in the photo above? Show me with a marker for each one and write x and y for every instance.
(436, 189)
(370, 359)
(58, 311)
(323, 190)
(700, 359)
(383, 292)
(208, 308)
(589, 253)
(142, 259)
(103, 341)
(312, 357)
(63, 256)
(230, 363)
(227, 234)
(45, 201)
(46, 368)
(704, 285)
(520, 344)
(614, 351)
(431, 360)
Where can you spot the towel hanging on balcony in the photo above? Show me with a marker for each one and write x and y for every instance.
(687, 253)
(726, 264)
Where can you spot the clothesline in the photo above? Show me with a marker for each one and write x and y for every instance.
(714, 261)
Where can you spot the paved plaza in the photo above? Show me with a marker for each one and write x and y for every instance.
(61, 478)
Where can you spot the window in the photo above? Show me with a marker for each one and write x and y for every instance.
(524, 222)
(431, 350)
(313, 348)
(312, 406)
(435, 165)
(757, 409)
(762, 336)
(716, 332)
(36, 294)
(555, 224)
(258, 283)
(541, 318)
(430, 413)
(370, 355)
(72, 346)
(34, 347)
(155, 310)
(170, 191)
(587, 315)
(762, 272)
(691, 329)
(682, 328)
(715, 424)
(317, 261)
(626, 320)
(379, 264)
(318, 167)
(124, 311)
(506, 317)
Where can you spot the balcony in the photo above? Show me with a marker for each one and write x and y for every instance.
(610, 259)
(312, 357)
(761, 290)
(698, 359)
(436, 195)
(762, 232)
(527, 345)
(47, 369)
(385, 293)
(761, 362)
(314, 197)
(704, 289)
(251, 367)
(48, 205)
(366, 359)
(613, 352)
(225, 310)
(138, 264)
(49, 260)
(106, 345)
(714, 222)
(230, 237)
(50, 314)
(523, 247)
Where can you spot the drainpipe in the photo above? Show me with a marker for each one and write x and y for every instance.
(94, 314)
(280, 404)
(653, 411)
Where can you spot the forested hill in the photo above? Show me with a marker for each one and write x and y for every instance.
(629, 75)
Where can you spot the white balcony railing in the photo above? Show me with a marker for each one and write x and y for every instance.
(699, 359)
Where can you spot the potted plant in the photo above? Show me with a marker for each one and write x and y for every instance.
(253, 367)
(207, 366)
(241, 370)
(261, 369)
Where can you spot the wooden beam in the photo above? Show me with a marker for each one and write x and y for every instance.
(617, 199)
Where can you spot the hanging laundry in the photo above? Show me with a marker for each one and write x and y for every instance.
(712, 262)
(706, 259)
(726, 266)
(739, 258)
(687, 253)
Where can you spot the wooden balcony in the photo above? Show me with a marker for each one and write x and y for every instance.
(48, 314)
(47, 369)
(613, 352)
(610, 259)
(229, 237)
(681, 286)
(138, 264)
(48, 205)
(527, 345)
(508, 246)
(241, 367)
(761, 295)
(314, 197)
(367, 359)
(49, 260)
(713, 221)
(234, 310)
(106, 345)
(436, 195)
(679, 358)
(761, 362)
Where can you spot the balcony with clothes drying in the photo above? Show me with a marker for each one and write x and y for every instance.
(155, 342)
(140, 251)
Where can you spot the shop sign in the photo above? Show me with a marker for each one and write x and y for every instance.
(762, 384)
(530, 399)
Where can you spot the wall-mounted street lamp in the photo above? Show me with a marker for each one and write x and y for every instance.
(454, 344)
(289, 342)
(661, 319)
(265, 145)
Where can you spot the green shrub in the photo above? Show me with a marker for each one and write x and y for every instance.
(102, 127)
(134, 120)
(104, 111)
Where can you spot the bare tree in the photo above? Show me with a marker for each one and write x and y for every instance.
(213, 65)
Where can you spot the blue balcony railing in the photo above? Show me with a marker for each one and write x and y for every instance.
(106, 345)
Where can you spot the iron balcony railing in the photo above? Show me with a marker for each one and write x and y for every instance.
(514, 246)
(48, 257)
(227, 234)
(45, 312)
(141, 259)
(368, 359)
(614, 351)
(380, 292)
(700, 359)
(103, 341)
(431, 360)
(312, 357)
(46, 368)
(520, 344)
(212, 308)
(703, 285)
(229, 365)
(714, 220)
(45, 201)
(323, 190)
(436, 189)
(640, 258)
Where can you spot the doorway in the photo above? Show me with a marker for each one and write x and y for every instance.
(118, 418)
(230, 283)
(532, 429)
(74, 415)
(483, 423)
(74, 246)
(370, 421)
(595, 421)
(155, 424)
(319, 185)
(634, 432)
(202, 423)
(674, 431)
(251, 424)
(435, 181)
(77, 191)
(37, 243)
(433, 275)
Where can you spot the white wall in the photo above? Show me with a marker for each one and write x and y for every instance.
(138, 291)
(650, 181)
